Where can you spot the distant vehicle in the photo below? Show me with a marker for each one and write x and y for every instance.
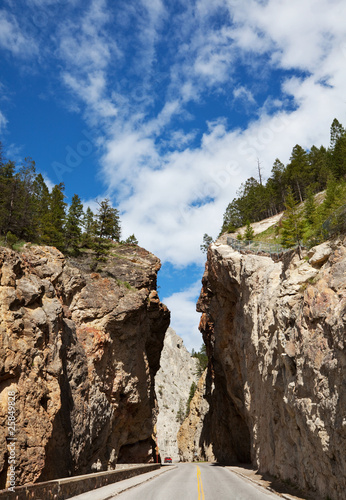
(167, 460)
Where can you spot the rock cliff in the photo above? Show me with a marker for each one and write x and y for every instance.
(191, 435)
(275, 336)
(172, 383)
(80, 349)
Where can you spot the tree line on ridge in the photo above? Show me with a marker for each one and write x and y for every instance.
(29, 211)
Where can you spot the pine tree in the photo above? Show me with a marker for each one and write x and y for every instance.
(131, 240)
(24, 212)
(331, 194)
(8, 183)
(207, 240)
(249, 232)
(108, 221)
(107, 228)
(318, 160)
(279, 182)
(74, 222)
(292, 225)
(298, 170)
(89, 223)
(54, 223)
(310, 207)
(336, 132)
(41, 198)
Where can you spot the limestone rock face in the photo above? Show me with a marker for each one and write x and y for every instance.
(275, 336)
(81, 350)
(191, 443)
(172, 384)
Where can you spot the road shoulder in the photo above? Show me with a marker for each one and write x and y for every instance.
(270, 483)
(112, 490)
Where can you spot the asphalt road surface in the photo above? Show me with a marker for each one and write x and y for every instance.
(197, 482)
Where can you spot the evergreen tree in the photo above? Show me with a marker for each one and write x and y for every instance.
(24, 209)
(278, 178)
(89, 223)
(310, 207)
(108, 221)
(318, 160)
(131, 240)
(55, 222)
(232, 218)
(207, 240)
(292, 225)
(107, 228)
(249, 232)
(298, 170)
(338, 157)
(74, 222)
(8, 184)
(331, 194)
(336, 132)
(41, 200)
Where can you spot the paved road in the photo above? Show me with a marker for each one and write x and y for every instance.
(197, 482)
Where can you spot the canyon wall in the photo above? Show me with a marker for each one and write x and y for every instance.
(275, 336)
(172, 384)
(80, 349)
(192, 441)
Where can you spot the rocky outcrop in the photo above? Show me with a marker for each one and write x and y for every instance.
(80, 349)
(172, 383)
(275, 336)
(192, 442)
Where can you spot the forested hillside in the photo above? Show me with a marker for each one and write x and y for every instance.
(30, 212)
(307, 173)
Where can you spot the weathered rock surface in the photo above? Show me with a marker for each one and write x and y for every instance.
(81, 350)
(172, 384)
(191, 443)
(275, 336)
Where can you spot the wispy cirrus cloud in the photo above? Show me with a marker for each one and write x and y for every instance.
(144, 93)
(3, 121)
(13, 37)
(183, 97)
(186, 322)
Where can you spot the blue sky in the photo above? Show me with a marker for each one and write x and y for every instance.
(165, 107)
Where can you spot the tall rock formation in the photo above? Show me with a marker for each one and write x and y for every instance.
(80, 349)
(275, 336)
(172, 383)
(191, 443)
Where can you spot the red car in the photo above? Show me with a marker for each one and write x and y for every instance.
(167, 460)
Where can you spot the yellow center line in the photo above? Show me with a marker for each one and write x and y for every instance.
(199, 484)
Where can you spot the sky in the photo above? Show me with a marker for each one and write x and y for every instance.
(165, 107)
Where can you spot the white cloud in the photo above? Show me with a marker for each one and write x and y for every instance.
(244, 94)
(13, 38)
(84, 45)
(3, 121)
(294, 51)
(165, 190)
(185, 321)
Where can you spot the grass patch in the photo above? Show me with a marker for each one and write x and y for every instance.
(268, 236)
(126, 284)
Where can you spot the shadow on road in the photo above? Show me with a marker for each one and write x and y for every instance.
(268, 481)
